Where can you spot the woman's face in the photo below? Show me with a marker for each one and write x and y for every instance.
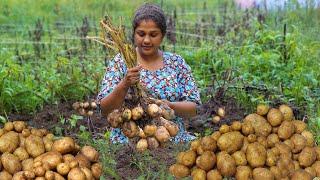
(147, 38)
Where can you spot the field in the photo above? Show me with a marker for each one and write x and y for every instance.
(239, 58)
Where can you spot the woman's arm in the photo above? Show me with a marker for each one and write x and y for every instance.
(184, 109)
(116, 98)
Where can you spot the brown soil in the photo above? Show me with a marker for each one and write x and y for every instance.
(127, 159)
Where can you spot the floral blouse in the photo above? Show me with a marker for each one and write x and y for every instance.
(173, 82)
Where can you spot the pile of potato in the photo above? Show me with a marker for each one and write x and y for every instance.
(30, 153)
(85, 108)
(151, 124)
(268, 144)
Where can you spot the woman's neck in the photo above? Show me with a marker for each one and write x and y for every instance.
(146, 59)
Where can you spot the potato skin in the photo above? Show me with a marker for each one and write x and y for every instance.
(307, 157)
(256, 155)
(299, 126)
(316, 167)
(262, 174)
(5, 175)
(96, 169)
(275, 117)
(188, 158)
(243, 173)
(286, 130)
(27, 164)
(34, 145)
(179, 171)
(208, 144)
(226, 164)
(299, 143)
(259, 123)
(301, 175)
(9, 142)
(287, 112)
(52, 158)
(230, 142)
(206, 161)
(64, 145)
(262, 109)
(240, 158)
(10, 163)
(214, 175)
(90, 153)
(76, 174)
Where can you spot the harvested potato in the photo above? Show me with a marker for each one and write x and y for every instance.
(21, 153)
(252, 138)
(150, 130)
(57, 176)
(90, 153)
(247, 128)
(215, 135)
(27, 164)
(272, 139)
(137, 113)
(126, 115)
(206, 161)
(236, 126)
(5, 175)
(162, 134)
(262, 140)
(76, 174)
(87, 172)
(271, 158)
(188, 158)
(256, 155)
(195, 144)
(9, 142)
(311, 171)
(208, 144)
(34, 145)
(230, 142)
(283, 149)
(243, 173)
(63, 168)
(307, 157)
(296, 165)
(142, 145)
(286, 165)
(74, 163)
(224, 128)
(262, 174)
(289, 143)
(115, 118)
(64, 145)
(301, 175)
(49, 175)
(68, 158)
(130, 129)
(226, 164)
(51, 158)
(275, 170)
(275, 130)
(309, 137)
(262, 109)
(221, 112)
(286, 130)
(142, 134)
(299, 126)
(153, 110)
(10, 163)
(299, 143)
(18, 176)
(216, 119)
(214, 175)
(82, 160)
(19, 126)
(37, 132)
(8, 126)
(198, 174)
(179, 171)
(316, 167)
(200, 150)
(275, 117)
(259, 123)
(29, 174)
(172, 127)
(287, 112)
(245, 144)
(39, 171)
(152, 143)
(317, 149)
(96, 170)
(240, 158)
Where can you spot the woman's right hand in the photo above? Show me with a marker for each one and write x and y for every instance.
(132, 76)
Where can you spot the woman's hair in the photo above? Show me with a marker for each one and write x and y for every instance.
(152, 12)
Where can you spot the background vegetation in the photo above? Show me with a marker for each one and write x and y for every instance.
(273, 54)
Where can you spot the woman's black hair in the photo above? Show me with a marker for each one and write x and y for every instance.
(152, 12)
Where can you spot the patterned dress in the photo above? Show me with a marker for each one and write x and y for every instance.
(173, 82)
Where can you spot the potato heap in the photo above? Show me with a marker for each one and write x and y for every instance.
(85, 108)
(150, 125)
(268, 144)
(30, 153)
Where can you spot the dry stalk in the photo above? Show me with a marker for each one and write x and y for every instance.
(114, 37)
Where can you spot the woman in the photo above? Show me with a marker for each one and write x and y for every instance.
(165, 75)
